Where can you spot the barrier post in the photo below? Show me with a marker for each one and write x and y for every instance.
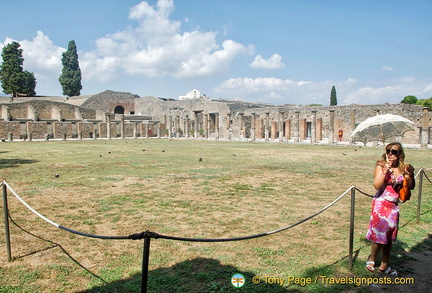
(420, 185)
(145, 264)
(6, 222)
(351, 237)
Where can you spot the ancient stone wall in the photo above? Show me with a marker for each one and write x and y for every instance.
(108, 100)
(62, 130)
(10, 129)
(86, 130)
(45, 110)
(209, 118)
(38, 130)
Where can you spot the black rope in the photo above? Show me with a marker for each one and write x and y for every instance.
(155, 235)
(92, 235)
(149, 234)
(427, 176)
(362, 192)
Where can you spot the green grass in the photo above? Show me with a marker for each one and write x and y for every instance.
(120, 187)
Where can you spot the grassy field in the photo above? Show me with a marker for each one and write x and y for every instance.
(197, 189)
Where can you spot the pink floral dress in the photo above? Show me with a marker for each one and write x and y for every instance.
(384, 221)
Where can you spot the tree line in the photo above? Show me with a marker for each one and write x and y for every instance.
(19, 82)
(413, 100)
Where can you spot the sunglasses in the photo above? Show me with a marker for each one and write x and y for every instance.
(393, 152)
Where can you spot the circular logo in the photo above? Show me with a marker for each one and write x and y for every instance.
(238, 280)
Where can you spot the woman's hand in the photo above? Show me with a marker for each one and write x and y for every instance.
(409, 170)
(380, 175)
(387, 167)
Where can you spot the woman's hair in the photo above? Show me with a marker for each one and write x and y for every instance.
(401, 155)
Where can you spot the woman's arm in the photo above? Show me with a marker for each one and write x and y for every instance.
(379, 175)
(409, 174)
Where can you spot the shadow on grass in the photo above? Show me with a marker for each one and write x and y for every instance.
(14, 163)
(196, 275)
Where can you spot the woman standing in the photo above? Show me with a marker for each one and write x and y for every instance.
(383, 227)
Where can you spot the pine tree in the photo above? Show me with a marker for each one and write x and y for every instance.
(14, 80)
(333, 97)
(70, 78)
(28, 84)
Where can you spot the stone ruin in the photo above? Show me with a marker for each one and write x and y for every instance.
(123, 115)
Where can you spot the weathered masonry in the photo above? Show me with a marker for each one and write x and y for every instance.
(115, 114)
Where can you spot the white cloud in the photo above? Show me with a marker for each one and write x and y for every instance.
(387, 68)
(349, 91)
(40, 55)
(160, 50)
(153, 47)
(394, 92)
(275, 90)
(274, 62)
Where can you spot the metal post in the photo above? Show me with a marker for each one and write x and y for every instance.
(6, 222)
(420, 185)
(145, 263)
(351, 237)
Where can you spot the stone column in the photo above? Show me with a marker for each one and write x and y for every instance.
(313, 127)
(177, 126)
(331, 127)
(297, 127)
(228, 126)
(266, 126)
(186, 126)
(79, 130)
(122, 126)
(108, 121)
(146, 129)
(280, 126)
(253, 126)
(319, 129)
(425, 127)
(206, 124)
(169, 126)
(195, 119)
(241, 126)
(287, 129)
(135, 130)
(158, 130)
(216, 126)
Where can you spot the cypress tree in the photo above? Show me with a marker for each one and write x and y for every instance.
(14, 80)
(70, 78)
(333, 97)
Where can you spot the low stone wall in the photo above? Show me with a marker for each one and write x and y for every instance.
(62, 130)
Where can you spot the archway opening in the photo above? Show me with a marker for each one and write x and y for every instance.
(119, 110)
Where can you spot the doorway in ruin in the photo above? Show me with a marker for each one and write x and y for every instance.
(119, 110)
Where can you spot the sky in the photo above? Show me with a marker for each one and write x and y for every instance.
(273, 51)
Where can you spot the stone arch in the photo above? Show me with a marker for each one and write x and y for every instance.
(119, 110)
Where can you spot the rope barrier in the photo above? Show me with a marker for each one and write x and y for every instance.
(369, 195)
(57, 225)
(424, 173)
(149, 234)
(257, 235)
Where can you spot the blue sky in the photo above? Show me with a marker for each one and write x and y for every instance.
(273, 51)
